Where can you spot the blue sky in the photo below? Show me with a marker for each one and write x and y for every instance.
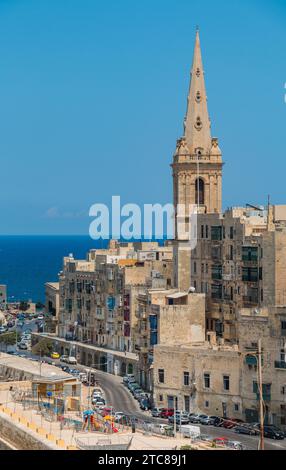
(93, 95)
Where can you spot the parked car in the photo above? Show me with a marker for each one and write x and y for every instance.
(181, 419)
(235, 445)
(273, 432)
(128, 378)
(144, 404)
(245, 429)
(55, 355)
(212, 420)
(218, 421)
(23, 345)
(194, 418)
(71, 360)
(220, 441)
(97, 396)
(231, 423)
(119, 417)
(98, 401)
(166, 412)
(137, 392)
(156, 412)
(132, 385)
(205, 419)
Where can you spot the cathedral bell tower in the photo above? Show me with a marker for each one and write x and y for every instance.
(197, 166)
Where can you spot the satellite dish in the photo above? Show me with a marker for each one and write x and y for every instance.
(191, 289)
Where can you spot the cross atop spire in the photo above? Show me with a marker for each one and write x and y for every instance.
(197, 123)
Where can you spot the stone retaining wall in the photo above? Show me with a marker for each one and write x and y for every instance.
(22, 439)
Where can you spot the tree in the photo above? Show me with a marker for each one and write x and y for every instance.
(40, 305)
(24, 306)
(43, 348)
(8, 339)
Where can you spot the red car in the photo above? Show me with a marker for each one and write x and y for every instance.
(220, 441)
(166, 412)
(107, 411)
(230, 423)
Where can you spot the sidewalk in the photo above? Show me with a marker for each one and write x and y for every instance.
(114, 352)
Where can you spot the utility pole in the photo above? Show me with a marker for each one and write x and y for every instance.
(40, 362)
(175, 417)
(261, 408)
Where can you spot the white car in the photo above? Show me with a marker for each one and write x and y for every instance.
(100, 405)
(118, 415)
(71, 360)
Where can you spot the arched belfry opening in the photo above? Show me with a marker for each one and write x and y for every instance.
(200, 192)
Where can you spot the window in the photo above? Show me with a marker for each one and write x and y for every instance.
(161, 376)
(207, 231)
(216, 291)
(203, 267)
(249, 253)
(266, 391)
(195, 267)
(186, 378)
(216, 232)
(250, 274)
(231, 252)
(207, 268)
(226, 382)
(207, 404)
(200, 192)
(160, 397)
(198, 124)
(217, 272)
(187, 403)
(283, 328)
(202, 231)
(231, 233)
(207, 380)
(236, 407)
(198, 96)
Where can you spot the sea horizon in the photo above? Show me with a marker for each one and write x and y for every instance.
(27, 262)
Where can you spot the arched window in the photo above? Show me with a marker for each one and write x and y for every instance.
(200, 191)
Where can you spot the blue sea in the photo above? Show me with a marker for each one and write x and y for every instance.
(27, 262)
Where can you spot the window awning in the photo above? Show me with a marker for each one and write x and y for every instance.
(177, 295)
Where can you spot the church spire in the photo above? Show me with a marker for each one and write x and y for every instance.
(197, 123)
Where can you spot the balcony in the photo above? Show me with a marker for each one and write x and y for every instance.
(280, 365)
(249, 301)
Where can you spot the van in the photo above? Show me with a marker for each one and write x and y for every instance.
(190, 431)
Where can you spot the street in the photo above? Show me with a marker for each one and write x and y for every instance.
(118, 396)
